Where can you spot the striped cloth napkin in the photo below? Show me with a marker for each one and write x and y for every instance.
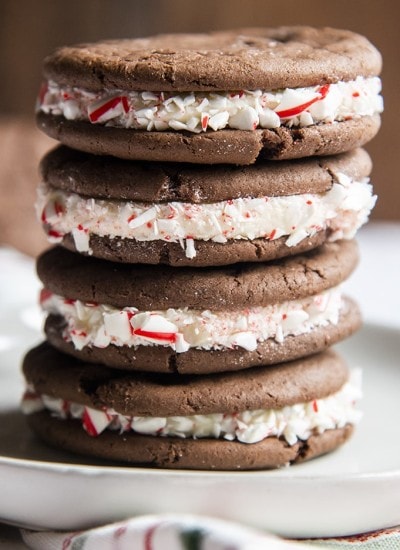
(187, 532)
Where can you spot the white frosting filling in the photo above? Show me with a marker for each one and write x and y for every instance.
(201, 111)
(293, 423)
(100, 325)
(343, 209)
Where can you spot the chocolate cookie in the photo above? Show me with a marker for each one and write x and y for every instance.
(189, 320)
(192, 422)
(137, 212)
(224, 97)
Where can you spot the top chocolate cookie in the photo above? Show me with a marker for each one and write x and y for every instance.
(266, 58)
(179, 97)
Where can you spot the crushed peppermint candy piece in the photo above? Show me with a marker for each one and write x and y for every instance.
(190, 250)
(81, 239)
(245, 119)
(117, 324)
(145, 425)
(167, 337)
(31, 402)
(51, 211)
(95, 421)
(219, 121)
(45, 294)
(180, 343)
(146, 216)
(104, 110)
(291, 96)
(245, 340)
(204, 121)
(152, 322)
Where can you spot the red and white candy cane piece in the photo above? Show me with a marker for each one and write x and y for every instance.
(245, 340)
(245, 119)
(31, 402)
(146, 216)
(51, 211)
(154, 328)
(53, 235)
(81, 238)
(159, 333)
(44, 295)
(106, 109)
(95, 421)
(294, 111)
(169, 337)
(44, 88)
(204, 121)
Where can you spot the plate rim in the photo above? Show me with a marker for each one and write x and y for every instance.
(279, 484)
(129, 471)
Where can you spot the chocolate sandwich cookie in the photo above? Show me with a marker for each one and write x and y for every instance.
(281, 415)
(180, 214)
(223, 97)
(158, 318)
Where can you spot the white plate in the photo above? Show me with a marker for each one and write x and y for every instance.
(354, 489)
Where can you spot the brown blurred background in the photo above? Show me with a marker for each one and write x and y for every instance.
(31, 29)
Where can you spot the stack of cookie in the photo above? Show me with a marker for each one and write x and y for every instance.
(204, 203)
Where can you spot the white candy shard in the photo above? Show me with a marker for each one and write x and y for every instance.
(81, 239)
(152, 322)
(146, 216)
(245, 119)
(117, 325)
(190, 250)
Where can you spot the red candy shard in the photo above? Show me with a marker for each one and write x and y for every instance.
(88, 424)
(164, 336)
(58, 208)
(125, 104)
(42, 92)
(204, 122)
(107, 106)
(45, 294)
(30, 395)
(55, 234)
(294, 111)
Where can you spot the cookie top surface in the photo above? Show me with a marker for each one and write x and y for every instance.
(159, 287)
(108, 177)
(267, 58)
(59, 375)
